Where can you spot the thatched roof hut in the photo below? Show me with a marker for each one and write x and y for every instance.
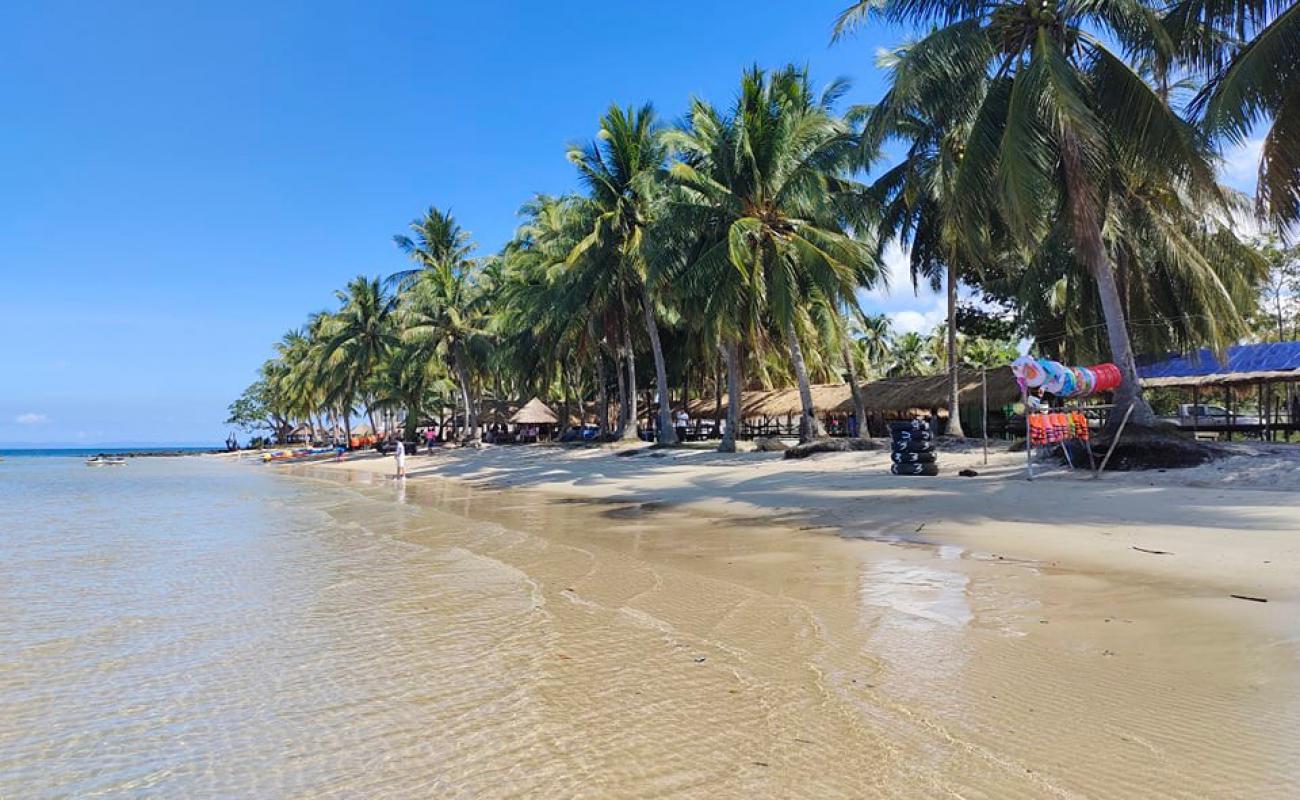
(534, 412)
(887, 395)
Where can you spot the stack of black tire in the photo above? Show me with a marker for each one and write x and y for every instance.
(912, 448)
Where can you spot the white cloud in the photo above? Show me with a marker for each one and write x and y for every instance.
(898, 272)
(920, 320)
(31, 418)
(1240, 166)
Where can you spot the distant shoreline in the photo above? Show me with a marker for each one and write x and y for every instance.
(125, 452)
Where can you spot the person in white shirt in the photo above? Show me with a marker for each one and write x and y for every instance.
(400, 455)
(683, 420)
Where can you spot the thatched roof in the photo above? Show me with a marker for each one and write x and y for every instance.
(887, 395)
(931, 391)
(534, 412)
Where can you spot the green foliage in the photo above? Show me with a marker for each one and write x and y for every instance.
(1046, 160)
(250, 411)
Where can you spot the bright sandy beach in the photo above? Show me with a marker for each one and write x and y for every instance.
(1231, 526)
(860, 634)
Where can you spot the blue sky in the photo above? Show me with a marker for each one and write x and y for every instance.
(186, 181)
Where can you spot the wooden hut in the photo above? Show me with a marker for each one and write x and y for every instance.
(534, 421)
(776, 411)
(1243, 370)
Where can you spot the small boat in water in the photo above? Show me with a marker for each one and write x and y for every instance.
(106, 461)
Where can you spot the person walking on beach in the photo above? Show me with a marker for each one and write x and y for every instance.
(400, 454)
(683, 420)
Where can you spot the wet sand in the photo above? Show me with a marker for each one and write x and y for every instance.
(670, 653)
(222, 629)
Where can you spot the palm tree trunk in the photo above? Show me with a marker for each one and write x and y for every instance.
(954, 380)
(667, 434)
(370, 415)
(347, 427)
(859, 407)
(630, 415)
(602, 395)
(809, 427)
(717, 395)
(1092, 251)
(731, 355)
(471, 416)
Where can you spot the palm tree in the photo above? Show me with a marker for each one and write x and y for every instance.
(437, 240)
(1250, 49)
(440, 310)
(875, 341)
(1056, 106)
(443, 317)
(362, 332)
(911, 355)
(765, 188)
(919, 205)
(618, 170)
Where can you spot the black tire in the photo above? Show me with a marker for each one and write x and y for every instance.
(912, 457)
(915, 469)
(913, 425)
(912, 436)
(913, 447)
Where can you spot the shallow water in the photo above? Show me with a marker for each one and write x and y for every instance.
(196, 628)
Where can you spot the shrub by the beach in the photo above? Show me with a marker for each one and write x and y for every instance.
(832, 446)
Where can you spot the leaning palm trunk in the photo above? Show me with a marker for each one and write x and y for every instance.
(347, 427)
(667, 434)
(1092, 251)
(859, 407)
(809, 427)
(954, 388)
(731, 354)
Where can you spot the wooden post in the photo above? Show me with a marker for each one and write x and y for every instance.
(1196, 408)
(1029, 442)
(1114, 442)
(1231, 415)
(984, 386)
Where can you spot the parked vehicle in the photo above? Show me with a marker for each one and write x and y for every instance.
(1195, 414)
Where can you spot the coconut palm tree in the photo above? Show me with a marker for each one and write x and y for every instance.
(362, 333)
(618, 170)
(1057, 106)
(1250, 51)
(765, 189)
(437, 240)
(442, 316)
(911, 355)
(919, 205)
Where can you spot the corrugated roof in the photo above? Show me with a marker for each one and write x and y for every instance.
(1245, 363)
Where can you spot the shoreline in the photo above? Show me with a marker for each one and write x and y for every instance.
(1192, 529)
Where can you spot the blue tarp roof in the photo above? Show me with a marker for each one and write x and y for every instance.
(1242, 358)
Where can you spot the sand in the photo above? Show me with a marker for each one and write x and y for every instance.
(1228, 527)
(709, 635)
